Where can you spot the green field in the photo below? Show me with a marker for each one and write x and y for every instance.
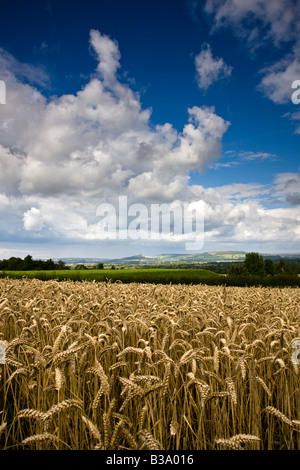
(157, 276)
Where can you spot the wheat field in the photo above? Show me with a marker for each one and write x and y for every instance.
(112, 366)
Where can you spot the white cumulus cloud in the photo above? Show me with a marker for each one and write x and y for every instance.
(33, 219)
(257, 21)
(210, 69)
(273, 23)
(61, 157)
(277, 81)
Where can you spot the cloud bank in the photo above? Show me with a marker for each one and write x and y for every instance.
(62, 157)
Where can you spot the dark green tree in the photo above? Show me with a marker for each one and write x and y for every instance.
(49, 264)
(80, 266)
(269, 266)
(280, 267)
(237, 270)
(100, 266)
(15, 264)
(61, 265)
(284, 268)
(254, 263)
(28, 263)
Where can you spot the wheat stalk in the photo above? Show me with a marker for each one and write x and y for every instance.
(44, 437)
(149, 440)
(170, 365)
(231, 389)
(2, 427)
(93, 429)
(273, 411)
(63, 406)
(174, 427)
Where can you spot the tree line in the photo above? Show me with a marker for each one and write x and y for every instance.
(29, 264)
(254, 264)
(258, 271)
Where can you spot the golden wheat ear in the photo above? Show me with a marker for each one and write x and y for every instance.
(110, 366)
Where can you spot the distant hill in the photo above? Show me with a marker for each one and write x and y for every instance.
(179, 258)
(175, 258)
(132, 258)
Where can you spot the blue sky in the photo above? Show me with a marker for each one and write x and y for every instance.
(165, 102)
